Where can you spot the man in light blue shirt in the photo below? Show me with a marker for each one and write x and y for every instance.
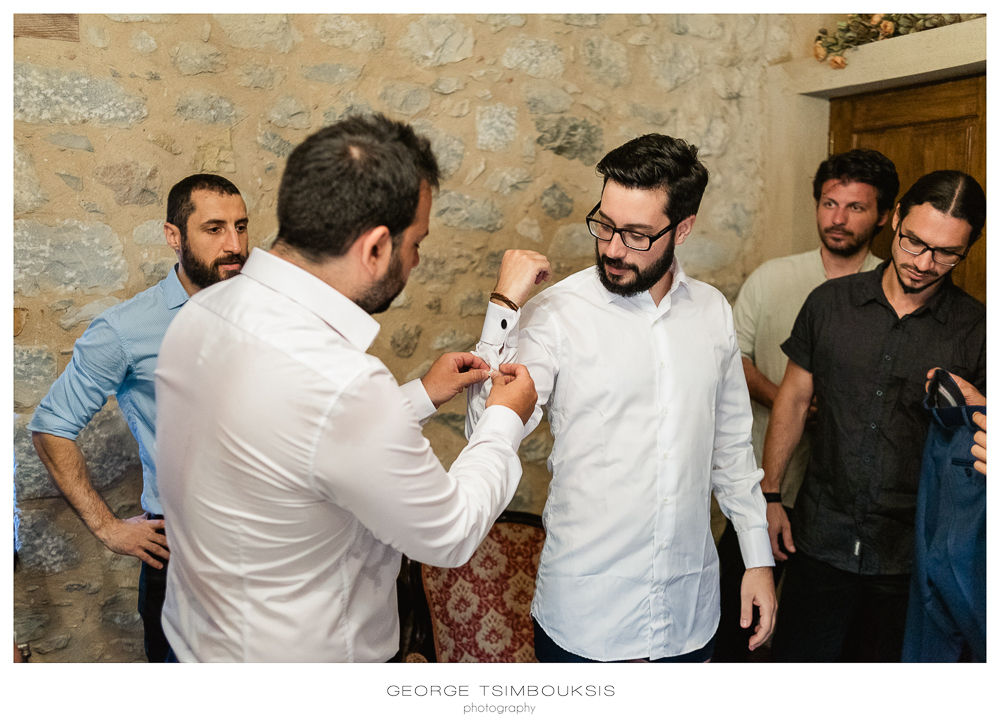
(206, 227)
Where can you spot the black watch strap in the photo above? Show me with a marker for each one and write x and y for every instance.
(772, 497)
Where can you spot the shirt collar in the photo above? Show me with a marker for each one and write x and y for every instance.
(173, 291)
(680, 280)
(347, 318)
(869, 288)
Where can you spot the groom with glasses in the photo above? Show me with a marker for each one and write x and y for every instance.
(640, 372)
(863, 345)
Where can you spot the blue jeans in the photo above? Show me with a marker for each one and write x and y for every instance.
(548, 651)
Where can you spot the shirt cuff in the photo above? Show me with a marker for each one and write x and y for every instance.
(499, 323)
(503, 422)
(414, 392)
(755, 545)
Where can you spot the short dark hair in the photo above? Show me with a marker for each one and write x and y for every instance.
(359, 173)
(657, 161)
(179, 203)
(954, 194)
(864, 166)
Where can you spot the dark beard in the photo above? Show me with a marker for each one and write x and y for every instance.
(380, 295)
(851, 249)
(907, 289)
(644, 281)
(205, 275)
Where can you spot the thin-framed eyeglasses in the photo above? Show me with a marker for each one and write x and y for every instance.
(632, 239)
(917, 247)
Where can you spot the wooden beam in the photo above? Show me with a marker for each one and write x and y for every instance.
(52, 26)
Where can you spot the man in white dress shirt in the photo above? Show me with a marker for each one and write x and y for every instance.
(641, 373)
(292, 466)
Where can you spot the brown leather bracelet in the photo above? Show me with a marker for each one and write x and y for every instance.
(503, 300)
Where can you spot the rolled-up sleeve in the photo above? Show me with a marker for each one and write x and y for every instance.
(95, 372)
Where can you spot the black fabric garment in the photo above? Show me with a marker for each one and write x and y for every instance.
(857, 504)
(946, 620)
(152, 593)
(827, 615)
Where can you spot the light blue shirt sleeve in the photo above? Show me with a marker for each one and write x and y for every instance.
(99, 365)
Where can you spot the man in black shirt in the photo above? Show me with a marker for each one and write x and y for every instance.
(862, 345)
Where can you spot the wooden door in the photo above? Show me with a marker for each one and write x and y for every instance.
(922, 129)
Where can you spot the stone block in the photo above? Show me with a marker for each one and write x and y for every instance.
(464, 212)
(498, 22)
(571, 244)
(448, 149)
(446, 86)
(674, 67)
(72, 141)
(74, 258)
(439, 269)
(342, 31)
(405, 339)
(34, 373)
(496, 127)
(580, 20)
(74, 182)
(436, 40)
(538, 57)
(332, 73)
(451, 420)
(473, 304)
(52, 95)
(556, 203)
(574, 138)
(606, 60)
(149, 233)
(546, 98)
(131, 182)
(257, 31)
(195, 58)
(454, 340)
(254, 75)
(289, 112)
(208, 107)
(29, 625)
(704, 26)
(405, 98)
(167, 142)
(28, 192)
(529, 229)
(271, 141)
(120, 611)
(143, 42)
(506, 180)
(419, 371)
(44, 546)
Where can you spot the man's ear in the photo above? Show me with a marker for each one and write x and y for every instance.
(173, 236)
(683, 229)
(374, 249)
(895, 218)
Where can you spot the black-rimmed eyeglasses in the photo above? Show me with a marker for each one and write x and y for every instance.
(632, 239)
(917, 247)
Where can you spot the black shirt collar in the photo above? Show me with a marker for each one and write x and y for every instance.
(868, 288)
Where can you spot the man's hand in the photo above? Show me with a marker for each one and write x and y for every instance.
(452, 373)
(138, 536)
(514, 388)
(778, 525)
(979, 449)
(520, 270)
(971, 394)
(758, 590)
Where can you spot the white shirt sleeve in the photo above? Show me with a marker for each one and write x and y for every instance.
(395, 485)
(524, 337)
(735, 475)
(416, 393)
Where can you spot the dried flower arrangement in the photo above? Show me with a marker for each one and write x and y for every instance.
(860, 29)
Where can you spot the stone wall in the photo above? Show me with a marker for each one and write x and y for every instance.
(519, 108)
